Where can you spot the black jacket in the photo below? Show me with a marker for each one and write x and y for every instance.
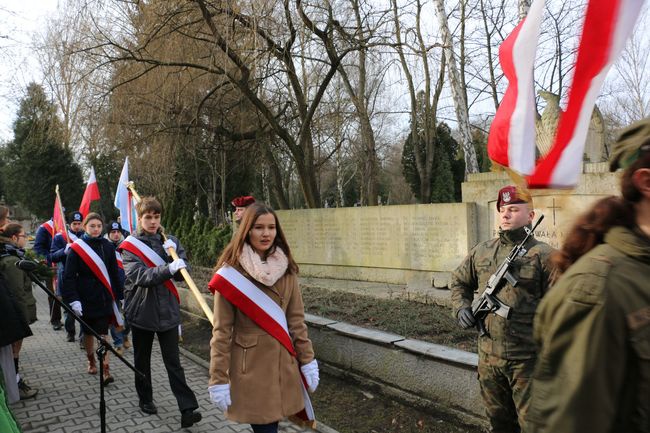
(13, 323)
(148, 303)
(81, 284)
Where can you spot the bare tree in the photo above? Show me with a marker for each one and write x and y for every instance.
(457, 90)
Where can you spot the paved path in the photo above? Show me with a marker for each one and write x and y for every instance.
(68, 398)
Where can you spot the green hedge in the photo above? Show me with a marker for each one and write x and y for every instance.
(202, 239)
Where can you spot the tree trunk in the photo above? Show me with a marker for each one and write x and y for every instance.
(458, 93)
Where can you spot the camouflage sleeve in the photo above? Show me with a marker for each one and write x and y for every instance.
(463, 284)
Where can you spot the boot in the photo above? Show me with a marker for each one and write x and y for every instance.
(107, 378)
(92, 365)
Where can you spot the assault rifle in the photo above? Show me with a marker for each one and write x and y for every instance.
(488, 302)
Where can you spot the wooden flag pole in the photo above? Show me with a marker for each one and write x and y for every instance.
(186, 275)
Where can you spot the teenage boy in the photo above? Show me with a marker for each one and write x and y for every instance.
(152, 307)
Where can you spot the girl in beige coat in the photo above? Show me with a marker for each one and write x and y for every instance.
(253, 377)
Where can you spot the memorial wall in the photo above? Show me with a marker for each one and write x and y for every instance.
(419, 245)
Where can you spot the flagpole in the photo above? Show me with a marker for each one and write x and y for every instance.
(65, 227)
(186, 275)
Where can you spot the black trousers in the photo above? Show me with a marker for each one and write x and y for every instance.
(55, 309)
(265, 428)
(168, 340)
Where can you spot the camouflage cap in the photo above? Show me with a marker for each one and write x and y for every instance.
(631, 144)
(512, 194)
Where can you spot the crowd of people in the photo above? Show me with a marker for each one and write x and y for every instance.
(563, 347)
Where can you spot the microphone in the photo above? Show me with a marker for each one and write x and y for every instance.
(26, 265)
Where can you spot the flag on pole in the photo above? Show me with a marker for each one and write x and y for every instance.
(124, 200)
(91, 193)
(511, 142)
(58, 219)
(607, 26)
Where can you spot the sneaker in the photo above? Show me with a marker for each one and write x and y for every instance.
(25, 391)
(190, 417)
(57, 326)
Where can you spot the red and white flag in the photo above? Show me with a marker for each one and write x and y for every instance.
(59, 220)
(91, 194)
(511, 142)
(607, 26)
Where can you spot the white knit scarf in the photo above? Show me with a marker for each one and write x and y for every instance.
(267, 272)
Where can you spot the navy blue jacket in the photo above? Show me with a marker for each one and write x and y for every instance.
(43, 243)
(58, 256)
(81, 284)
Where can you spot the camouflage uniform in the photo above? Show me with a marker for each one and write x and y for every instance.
(507, 354)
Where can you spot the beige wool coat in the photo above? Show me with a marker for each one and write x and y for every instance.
(264, 378)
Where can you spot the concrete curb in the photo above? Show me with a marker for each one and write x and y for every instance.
(320, 427)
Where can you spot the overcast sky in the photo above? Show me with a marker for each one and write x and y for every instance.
(19, 19)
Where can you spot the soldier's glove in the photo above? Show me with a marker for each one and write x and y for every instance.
(466, 319)
(220, 396)
(310, 371)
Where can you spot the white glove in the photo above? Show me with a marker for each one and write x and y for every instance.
(66, 250)
(220, 396)
(310, 371)
(76, 307)
(177, 265)
(169, 244)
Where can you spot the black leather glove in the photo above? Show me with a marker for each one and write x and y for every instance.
(466, 319)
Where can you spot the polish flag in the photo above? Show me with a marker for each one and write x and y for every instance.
(607, 26)
(91, 194)
(511, 142)
(124, 200)
(58, 219)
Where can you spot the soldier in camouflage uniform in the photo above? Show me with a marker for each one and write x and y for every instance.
(593, 370)
(507, 353)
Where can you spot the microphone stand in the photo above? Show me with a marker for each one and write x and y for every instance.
(29, 267)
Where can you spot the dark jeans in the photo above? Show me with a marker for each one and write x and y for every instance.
(265, 428)
(168, 340)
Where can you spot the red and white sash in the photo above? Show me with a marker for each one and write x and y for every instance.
(262, 310)
(49, 226)
(72, 237)
(149, 257)
(98, 267)
(118, 257)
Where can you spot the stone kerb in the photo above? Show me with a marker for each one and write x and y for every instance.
(402, 244)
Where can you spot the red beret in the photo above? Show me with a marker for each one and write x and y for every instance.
(243, 201)
(510, 195)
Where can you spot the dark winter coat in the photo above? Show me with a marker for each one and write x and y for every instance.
(81, 284)
(13, 324)
(43, 243)
(58, 256)
(17, 281)
(148, 304)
